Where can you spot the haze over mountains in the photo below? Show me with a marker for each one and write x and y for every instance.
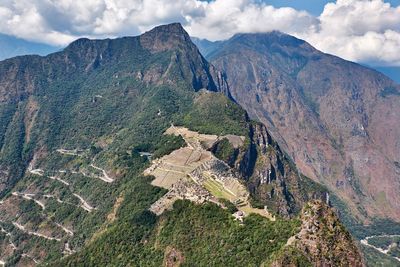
(77, 127)
(392, 72)
(11, 47)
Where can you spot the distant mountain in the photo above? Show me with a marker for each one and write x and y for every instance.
(77, 130)
(338, 120)
(392, 72)
(11, 47)
(205, 46)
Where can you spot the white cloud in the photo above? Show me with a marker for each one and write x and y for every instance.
(223, 18)
(23, 19)
(359, 30)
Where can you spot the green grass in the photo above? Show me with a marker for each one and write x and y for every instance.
(217, 190)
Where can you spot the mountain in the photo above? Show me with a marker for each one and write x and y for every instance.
(336, 119)
(12, 46)
(123, 152)
(205, 46)
(392, 72)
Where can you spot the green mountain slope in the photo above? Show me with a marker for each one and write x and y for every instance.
(77, 128)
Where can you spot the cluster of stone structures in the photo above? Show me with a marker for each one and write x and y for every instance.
(181, 190)
(188, 171)
(218, 168)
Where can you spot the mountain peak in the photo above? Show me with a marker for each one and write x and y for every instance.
(175, 27)
(268, 39)
(165, 37)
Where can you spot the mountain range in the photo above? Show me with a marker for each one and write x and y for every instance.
(140, 151)
(12, 46)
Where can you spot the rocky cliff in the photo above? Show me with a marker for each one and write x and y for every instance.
(337, 120)
(322, 241)
(271, 177)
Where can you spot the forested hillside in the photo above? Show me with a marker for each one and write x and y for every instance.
(79, 130)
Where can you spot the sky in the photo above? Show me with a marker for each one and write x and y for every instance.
(314, 7)
(365, 31)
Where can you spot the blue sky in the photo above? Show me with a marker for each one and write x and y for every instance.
(365, 31)
(315, 7)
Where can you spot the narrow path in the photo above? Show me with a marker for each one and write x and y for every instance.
(22, 228)
(84, 205)
(29, 197)
(68, 250)
(30, 257)
(14, 247)
(38, 172)
(73, 152)
(69, 232)
(63, 202)
(106, 178)
(384, 251)
(59, 179)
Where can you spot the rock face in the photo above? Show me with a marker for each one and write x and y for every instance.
(338, 121)
(272, 178)
(189, 61)
(323, 239)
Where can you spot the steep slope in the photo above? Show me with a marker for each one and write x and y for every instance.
(319, 223)
(271, 177)
(78, 128)
(336, 119)
(87, 79)
(67, 122)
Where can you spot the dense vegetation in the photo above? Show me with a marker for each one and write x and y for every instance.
(206, 235)
(224, 150)
(106, 111)
(375, 258)
(111, 100)
(223, 116)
